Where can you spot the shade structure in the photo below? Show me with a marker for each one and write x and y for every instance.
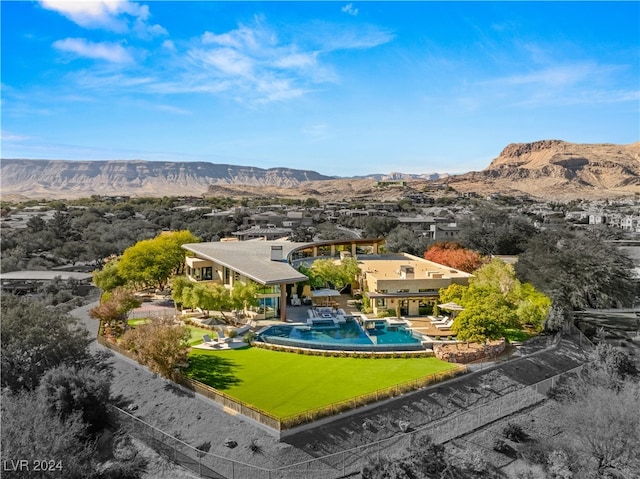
(451, 307)
(325, 293)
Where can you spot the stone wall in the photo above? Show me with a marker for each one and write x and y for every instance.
(461, 353)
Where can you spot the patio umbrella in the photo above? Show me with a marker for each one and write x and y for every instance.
(451, 307)
(325, 293)
(455, 308)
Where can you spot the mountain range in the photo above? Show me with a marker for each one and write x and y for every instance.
(547, 169)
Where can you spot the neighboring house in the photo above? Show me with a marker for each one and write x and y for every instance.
(405, 283)
(269, 232)
(263, 219)
(22, 282)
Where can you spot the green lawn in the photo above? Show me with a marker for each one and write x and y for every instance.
(518, 335)
(197, 333)
(286, 383)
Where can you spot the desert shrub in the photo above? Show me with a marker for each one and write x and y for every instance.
(514, 432)
(535, 453)
(502, 447)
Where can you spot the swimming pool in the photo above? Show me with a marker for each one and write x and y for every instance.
(350, 334)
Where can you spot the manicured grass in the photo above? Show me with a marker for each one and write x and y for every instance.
(518, 335)
(197, 333)
(287, 383)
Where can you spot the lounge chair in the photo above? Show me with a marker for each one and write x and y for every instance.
(446, 325)
(295, 301)
(222, 338)
(440, 321)
(208, 341)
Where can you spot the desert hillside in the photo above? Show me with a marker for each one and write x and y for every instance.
(559, 170)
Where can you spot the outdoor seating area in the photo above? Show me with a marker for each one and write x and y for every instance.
(221, 342)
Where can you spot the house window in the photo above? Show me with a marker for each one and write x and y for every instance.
(403, 291)
(207, 273)
(381, 302)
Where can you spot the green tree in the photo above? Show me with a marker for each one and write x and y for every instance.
(325, 272)
(108, 277)
(244, 295)
(145, 264)
(494, 301)
(178, 286)
(171, 242)
(152, 262)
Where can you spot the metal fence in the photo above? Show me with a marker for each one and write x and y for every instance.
(342, 464)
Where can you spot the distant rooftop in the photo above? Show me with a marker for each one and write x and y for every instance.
(44, 275)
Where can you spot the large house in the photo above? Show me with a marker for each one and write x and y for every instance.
(399, 282)
(263, 262)
(404, 283)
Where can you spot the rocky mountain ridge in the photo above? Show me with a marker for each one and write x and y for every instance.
(69, 179)
(547, 169)
(559, 169)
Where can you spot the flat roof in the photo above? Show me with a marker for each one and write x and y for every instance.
(387, 266)
(252, 259)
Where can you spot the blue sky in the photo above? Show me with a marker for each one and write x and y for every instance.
(343, 88)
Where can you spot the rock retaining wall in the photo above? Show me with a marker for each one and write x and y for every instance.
(463, 354)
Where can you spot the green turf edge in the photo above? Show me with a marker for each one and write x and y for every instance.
(285, 384)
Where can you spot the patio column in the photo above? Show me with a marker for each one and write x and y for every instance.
(283, 302)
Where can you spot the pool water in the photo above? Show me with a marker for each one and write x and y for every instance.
(345, 334)
(388, 334)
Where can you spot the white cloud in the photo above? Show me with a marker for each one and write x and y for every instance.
(297, 60)
(348, 8)
(111, 52)
(252, 61)
(112, 15)
(226, 61)
(7, 136)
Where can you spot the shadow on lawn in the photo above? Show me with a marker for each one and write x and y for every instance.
(213, 371)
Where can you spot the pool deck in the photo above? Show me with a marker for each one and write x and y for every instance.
(424, 326)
